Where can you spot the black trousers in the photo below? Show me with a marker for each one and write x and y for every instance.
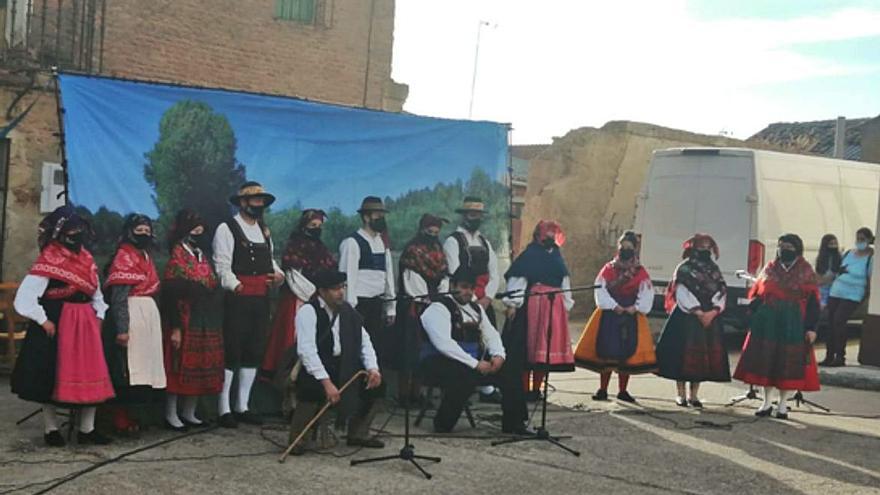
(245, 324)
(372, 310)
(839, 312)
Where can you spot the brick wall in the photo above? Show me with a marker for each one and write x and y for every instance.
(237, 44)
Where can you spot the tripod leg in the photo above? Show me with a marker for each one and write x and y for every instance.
(427, 458)
(564, 447)
(374, 459)
(424, 473)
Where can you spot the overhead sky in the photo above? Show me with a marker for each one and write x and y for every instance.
(709, 66)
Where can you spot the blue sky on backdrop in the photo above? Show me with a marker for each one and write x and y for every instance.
(321, 156)
(709, 66)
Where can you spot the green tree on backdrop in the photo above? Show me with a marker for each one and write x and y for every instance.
(193, 164)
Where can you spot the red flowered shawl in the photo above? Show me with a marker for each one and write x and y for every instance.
(797, 284)
(624, 278)
(131, 266)
(184, 265)
(77, 270)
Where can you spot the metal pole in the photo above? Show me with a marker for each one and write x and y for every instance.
(476, 62)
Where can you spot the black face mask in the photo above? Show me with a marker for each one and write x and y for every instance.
(627, 254)
(378, 224)
(428, 236)
(548, 243)
(74, 241)
(473, 224)
(314, 232)
(194, 240)
(142, 241)
(254, 211)
(704, 255)
(787, 255)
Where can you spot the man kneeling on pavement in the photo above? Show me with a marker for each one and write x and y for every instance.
(333, 346)
(463, 346)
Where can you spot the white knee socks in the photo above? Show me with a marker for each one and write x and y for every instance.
(188, 409)
(767, 402)
(782, 407)
(87, 419)
(223, 400)
(246, 378)
(171, 411)
(50, 418)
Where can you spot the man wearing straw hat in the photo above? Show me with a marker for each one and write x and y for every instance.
(243, 257)
(333, 346)
(365, 258)
(468, 247)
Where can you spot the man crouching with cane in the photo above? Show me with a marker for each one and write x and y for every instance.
(333, 346)
(462, 346)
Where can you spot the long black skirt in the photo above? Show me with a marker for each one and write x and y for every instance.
(33, 378)
(688, 352)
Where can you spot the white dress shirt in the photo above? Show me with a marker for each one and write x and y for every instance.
(307, 347)
(302, 287)
(688, 302)
(366, 283)
(27, 299)
(520, 283)
(450, 247)
(414, 285)
(224, 246)
(437, 322)
(644, 300)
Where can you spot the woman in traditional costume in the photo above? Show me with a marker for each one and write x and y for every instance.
(691, 346)
(540, 269)
(778, 351)
(192, 323)
(135, 348)
(617, 336)
(62, 358)
(304, 256)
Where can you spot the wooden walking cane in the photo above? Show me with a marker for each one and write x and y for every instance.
(318, 416)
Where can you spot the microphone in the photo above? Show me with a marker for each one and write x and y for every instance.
(502, 295)
(744, 275)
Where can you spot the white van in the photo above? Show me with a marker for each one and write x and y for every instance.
(746, 199)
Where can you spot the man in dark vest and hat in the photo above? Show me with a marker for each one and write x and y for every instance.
(332, 346)
(468, 247)
(365, 258)
(243, 257)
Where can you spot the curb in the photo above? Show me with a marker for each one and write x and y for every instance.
(856, 377)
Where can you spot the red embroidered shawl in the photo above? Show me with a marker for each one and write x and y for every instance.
(132, 267)
(77, 270)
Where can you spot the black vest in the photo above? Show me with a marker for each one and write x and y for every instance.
(474, 257)
(468, 336)
(249, 258)
(368, 259)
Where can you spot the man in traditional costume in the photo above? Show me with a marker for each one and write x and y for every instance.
(243, 257)
(192, 320)
(62, 358)
(135, 333)
(778, 351)
(617, 336)
(461, 346)
(333, 346)
(537, 270)
(468, 247)
(691, 346)
(365, 258)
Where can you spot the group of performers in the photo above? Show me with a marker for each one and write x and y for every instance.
(204, 327)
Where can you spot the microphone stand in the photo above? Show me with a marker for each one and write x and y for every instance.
(407, 452)
(542, 433)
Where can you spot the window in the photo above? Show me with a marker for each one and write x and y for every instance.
(302, 11)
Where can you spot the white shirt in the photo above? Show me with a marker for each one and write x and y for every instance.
(307, 348)
(520, 283)
(302, 287)
(437, 322)
(27, 297)
(366, 283)
(450, 247)
(224, 246)
(688, 302)
(414, 285)
(644, 300)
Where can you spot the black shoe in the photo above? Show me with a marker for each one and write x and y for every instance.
(493, 398)
(54, 439)
(763, 413)
(179, 429)
(838, 362)
(520, 430)
(228, 421)
(780, 415)
(624, 396)
(249, 418)
(600, 395)
(533, 396)
(369, 443)
(201, 424)
(681, 401)
(92, 438)
(696, 403)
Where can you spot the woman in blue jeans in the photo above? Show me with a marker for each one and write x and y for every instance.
(847, 292)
